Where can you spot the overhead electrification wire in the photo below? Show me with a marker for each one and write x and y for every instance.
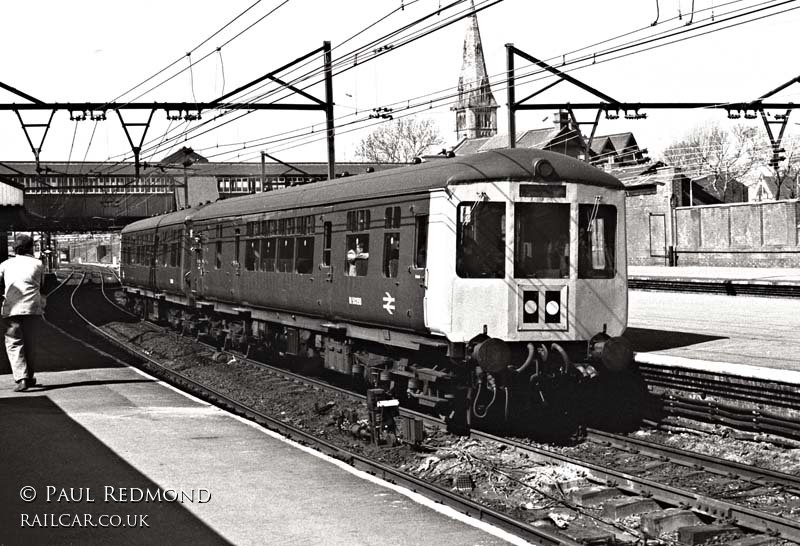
(202, 43)
(71, 146)
(640, 42)
(718, 20)
(195, 48)
(491, 2)
(206, 56)
(352, 37)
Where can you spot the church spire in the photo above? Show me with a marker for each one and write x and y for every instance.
(476, 109)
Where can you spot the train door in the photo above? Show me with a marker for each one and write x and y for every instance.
(418, 273)
(236, 263)
(152, 259)
(215, 273)
(194, 263)
(326, 267)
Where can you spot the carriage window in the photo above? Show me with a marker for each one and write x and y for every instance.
(391, 254)
(357, 255)
(597, 227)
(269, 249)
(285, 254)
(392, 217)
(358, 220)
(541, 246)
(305, 225)
(327, 232)
(252, 253)
(305, 255)
(421, 248)
(174, 249)
(481, 240)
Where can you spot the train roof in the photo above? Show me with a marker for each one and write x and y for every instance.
(171, 218)
(495, 165)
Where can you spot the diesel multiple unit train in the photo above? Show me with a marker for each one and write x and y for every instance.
(485, 287)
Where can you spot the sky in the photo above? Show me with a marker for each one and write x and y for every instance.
(93, 50)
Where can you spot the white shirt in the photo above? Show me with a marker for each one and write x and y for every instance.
(23, 277)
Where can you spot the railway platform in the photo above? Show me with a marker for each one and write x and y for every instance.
(682, 318)
(104, 454)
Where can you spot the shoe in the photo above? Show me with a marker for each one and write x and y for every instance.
(22, 386)
(31, 382)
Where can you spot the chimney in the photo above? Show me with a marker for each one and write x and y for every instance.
(562, 120)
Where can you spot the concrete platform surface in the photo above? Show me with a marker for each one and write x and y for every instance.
(110, 456)
(717, 331)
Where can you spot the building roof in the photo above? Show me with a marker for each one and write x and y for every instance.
(636, 175)
(469, 146)
(619, 144)
(540, 139)
(183, 156)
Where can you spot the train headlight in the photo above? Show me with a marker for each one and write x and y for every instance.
(493, 355)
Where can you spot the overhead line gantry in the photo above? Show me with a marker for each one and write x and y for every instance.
(612, 107)
(185, 110)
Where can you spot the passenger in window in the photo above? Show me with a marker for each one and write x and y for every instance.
(357, 261)
(393, 258)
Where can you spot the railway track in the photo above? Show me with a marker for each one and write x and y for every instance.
(663, 483)
(746, 404)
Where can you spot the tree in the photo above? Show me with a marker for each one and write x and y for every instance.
(722, 156)
(787, 175)
(399, 141)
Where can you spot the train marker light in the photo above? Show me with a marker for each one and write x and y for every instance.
(552, 306)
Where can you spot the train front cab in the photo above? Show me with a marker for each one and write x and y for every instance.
(534, 284)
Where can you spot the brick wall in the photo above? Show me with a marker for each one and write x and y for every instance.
(757, 234)
(648, 224)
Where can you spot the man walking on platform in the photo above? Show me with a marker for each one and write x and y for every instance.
(22, 309)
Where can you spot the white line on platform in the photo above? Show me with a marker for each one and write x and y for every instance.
(723, 368)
